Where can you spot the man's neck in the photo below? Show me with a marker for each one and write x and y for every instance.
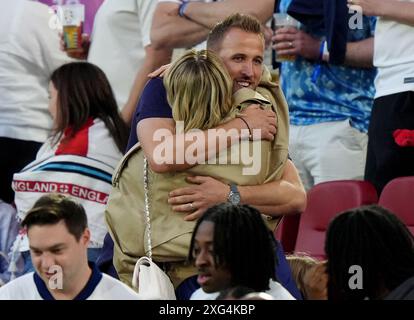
(72, 289)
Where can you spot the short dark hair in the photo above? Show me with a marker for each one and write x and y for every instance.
(242, 243)
(377, 241)
(243, 22)
(84, 92)
(53, 208)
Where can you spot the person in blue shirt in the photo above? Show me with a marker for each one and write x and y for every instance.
(329, 104)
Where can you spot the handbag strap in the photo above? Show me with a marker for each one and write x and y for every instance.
(147, 209)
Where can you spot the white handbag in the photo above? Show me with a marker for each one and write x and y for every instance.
(148, 279)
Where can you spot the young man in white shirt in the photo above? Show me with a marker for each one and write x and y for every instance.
(59, 238)
(232, 246)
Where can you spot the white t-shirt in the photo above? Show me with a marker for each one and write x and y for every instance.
(394, 57)
(276, 290)
(120, 34)
(99, 287)
(29, 53)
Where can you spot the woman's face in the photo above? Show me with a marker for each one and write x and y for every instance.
(52, 100)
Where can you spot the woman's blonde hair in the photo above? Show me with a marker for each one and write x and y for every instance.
(199, 90)
(300, 263)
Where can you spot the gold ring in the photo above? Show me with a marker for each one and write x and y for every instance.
(191, 206)
(291, 44)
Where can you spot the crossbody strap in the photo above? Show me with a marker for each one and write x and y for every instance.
(147, 209)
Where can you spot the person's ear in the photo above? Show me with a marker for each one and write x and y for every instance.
(86, 236)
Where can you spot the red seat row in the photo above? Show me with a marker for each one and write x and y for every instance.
(306, 232)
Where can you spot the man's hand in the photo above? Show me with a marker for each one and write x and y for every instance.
(291, 41)
(80, 54)
(160, 72)
(264, 120)
(196, 199)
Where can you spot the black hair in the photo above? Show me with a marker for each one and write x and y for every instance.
(53, 208)
(242, 243)
(374, 239)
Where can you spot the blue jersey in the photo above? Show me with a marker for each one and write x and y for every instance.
(324, 92)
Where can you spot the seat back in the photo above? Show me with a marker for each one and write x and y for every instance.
(325, 201)
(287, 232)
(398, 197)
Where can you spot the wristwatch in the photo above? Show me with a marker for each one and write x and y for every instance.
(234, 195)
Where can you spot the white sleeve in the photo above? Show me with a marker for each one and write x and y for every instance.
(6, 292)
(4, 295)
(44, 44)
(146, 10)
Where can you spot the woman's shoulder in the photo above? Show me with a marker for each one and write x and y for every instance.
(155, 84)
(247, 95)
(154, 92)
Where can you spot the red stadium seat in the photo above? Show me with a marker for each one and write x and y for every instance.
(398, 197)
(325, 201)
(287, 231)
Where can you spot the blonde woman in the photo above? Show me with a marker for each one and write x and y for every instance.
(309, 275)
(199, 91)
